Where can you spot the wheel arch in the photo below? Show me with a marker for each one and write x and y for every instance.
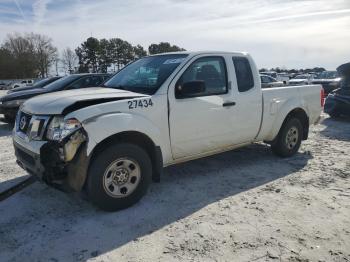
(137, 138)
(300, 114)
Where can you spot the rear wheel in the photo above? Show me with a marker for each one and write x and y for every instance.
(119, 176)
(289, 138)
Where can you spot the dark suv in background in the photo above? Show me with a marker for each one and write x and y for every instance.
(39, 84)
(10, 103)
(330, 80)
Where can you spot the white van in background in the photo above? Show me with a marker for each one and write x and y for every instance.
(23, 83)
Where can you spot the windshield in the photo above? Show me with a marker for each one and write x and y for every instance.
(328, 75)
(44, 82)
(147, 74)
(62, 83)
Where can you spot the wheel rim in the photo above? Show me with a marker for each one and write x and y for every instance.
(292, 137)
(121, 177)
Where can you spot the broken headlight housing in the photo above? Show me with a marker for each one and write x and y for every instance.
(59, 128)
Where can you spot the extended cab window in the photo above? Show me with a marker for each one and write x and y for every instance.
(245, 80)
(211, 70)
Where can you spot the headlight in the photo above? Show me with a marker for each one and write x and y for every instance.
(14, 102)
(59, 128)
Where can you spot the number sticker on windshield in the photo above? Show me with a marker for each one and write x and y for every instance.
(140, 103)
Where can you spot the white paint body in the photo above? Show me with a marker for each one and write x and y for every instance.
(189, 128)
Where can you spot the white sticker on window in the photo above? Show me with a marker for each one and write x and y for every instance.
(173, 61)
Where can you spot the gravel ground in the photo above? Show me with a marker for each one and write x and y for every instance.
(244, 205)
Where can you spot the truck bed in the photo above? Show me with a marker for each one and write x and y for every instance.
(278, 102)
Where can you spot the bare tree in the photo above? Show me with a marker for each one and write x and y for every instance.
(45, 52)
(57, 61)
(69, 60)
(21, 55)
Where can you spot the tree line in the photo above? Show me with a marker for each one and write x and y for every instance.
(24, 56)
(294, 71)
(34, 55)
(96, 55)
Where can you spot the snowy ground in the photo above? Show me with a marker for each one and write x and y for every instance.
(244, 205)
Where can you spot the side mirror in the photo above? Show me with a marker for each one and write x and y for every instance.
(190, 89)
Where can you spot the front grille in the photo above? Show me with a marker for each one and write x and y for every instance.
(31, 126)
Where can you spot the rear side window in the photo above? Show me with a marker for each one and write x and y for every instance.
(244, 74)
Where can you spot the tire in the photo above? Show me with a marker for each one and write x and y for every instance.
(289, 138)
(119, 177)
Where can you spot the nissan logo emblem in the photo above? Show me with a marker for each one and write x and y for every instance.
(22, 122)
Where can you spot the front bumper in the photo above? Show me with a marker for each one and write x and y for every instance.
(43, 159)
(28, 156)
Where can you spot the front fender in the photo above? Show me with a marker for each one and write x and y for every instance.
(101, 127)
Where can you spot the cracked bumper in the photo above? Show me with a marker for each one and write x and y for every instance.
(43, 159)
(28, 156)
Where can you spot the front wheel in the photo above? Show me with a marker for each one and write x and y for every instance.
(289, 138)
(119, 176)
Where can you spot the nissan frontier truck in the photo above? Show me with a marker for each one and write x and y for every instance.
(112, 141)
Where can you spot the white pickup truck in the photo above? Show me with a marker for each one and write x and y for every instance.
(112, 141)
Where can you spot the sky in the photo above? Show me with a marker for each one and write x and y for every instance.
(283, 33)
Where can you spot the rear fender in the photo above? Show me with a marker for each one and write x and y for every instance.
(282, 113)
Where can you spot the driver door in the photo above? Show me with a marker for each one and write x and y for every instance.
(202, 122)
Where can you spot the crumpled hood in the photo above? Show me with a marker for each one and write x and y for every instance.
(63, 102)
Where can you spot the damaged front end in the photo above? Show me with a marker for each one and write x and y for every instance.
(64, 156)
(65, 162)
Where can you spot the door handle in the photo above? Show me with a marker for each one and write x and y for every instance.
(229, 104)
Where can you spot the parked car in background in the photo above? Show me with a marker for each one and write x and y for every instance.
(10, 103)
(338, 100)
(39, 84)
(3, 86)
(283, 77)
(6, 85)
(23, 83)
(305, 79)
(330, 80)
(268, 81)
(270, 73)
